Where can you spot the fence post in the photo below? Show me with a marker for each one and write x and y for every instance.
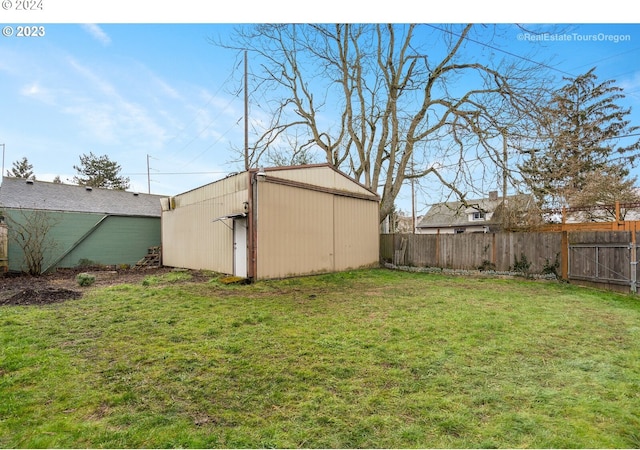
(564, 249)
(438, 248)
(494, 252)
(633, 261)
(633, 268)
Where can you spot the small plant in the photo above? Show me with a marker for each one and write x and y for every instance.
(522, 265)
(150, 280)
(486, 265)
(85, 279)
(551, 269)
(85, 262)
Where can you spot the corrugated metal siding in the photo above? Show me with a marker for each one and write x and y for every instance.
(191, 239)
(218, 189)
(299, 231)
(356, 233)
(303, 232)
(295, 234)
(320, 176)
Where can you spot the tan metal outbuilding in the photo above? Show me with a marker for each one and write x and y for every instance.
(273, 223)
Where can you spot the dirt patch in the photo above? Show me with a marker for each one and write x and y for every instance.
(40, 297)
(19, 289)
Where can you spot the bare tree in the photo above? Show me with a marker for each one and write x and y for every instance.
(600, 192)
(389, 102)
(30, 230)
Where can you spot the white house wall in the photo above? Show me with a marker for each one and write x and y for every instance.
(452, 230)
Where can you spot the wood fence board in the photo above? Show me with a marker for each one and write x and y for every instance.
(595, 257)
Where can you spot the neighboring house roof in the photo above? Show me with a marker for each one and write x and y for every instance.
(456, 214)
(19, 193)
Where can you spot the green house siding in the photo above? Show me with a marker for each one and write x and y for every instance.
(116, 240)
(100, 238)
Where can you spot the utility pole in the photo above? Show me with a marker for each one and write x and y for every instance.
(504, 165)
(148, 176)
(505, 215)
(246, 118)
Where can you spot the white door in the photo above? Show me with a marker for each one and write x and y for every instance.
(240, 247)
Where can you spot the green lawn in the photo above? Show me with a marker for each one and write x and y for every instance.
(371, 358)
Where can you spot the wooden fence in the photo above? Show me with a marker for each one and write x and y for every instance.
(603, 259)
(471, 251)
(606, 259)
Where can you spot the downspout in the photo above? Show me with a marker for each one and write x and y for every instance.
(251, 224)
(256, 176)
(78, 242)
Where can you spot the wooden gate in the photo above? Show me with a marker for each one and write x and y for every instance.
(610, 263)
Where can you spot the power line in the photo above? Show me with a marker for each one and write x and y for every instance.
(177, 173)
(211, 98)
(210, 123)
(497, 49)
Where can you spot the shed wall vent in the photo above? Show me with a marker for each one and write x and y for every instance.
(29, 181)
(88, 188)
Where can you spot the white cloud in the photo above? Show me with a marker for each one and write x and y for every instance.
(36, 91)
(97, 33)
(32, 89)
(631, 85)
(109, 115)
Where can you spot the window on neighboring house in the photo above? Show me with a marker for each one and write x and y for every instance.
(478, 215)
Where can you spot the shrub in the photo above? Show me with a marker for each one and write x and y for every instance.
(85, 279)
(487, 265)
(84, 262)
(522, 265)
(552, 269)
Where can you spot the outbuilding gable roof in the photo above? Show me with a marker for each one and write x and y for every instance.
(19, 193)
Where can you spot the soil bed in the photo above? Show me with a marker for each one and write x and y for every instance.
(20, 289)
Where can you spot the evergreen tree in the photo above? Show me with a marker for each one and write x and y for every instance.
(22, 169)
(582, 124)
(99, 172)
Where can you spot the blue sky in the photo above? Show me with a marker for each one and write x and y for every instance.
(162, 89)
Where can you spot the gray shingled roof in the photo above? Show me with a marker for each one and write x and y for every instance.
(44, 195)
(451, 214)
